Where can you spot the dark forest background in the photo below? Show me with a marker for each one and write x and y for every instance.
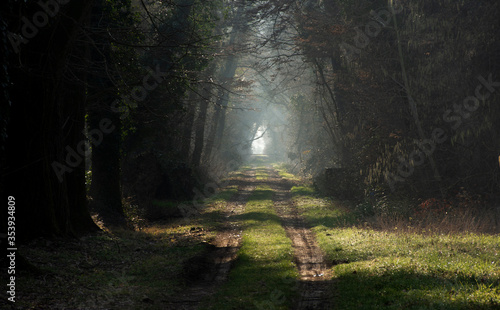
(122, 108)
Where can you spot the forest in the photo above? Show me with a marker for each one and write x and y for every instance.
(150, 148)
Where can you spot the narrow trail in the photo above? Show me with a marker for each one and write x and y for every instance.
(216, 263)
(314, 271)
(213, 267)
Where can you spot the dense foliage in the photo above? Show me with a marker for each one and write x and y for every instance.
(133, 106)
(406, 92)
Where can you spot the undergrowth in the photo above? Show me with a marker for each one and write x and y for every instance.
(122, 269)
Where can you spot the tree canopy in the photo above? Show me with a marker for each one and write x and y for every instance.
(133, 103)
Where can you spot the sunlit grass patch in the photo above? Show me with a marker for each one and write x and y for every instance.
(303, 191)
(242, 172)
(259, 159)
(283, 169)
(395, 271)
(263, 276)
(320, 212)
(399, 269)
(222, 196)
(261, 173)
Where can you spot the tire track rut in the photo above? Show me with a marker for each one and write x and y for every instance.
(315, 284)
(216, 263)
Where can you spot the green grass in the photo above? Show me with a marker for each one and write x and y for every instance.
(283, 169)
(391, 268)
(214, 206)
(398, 271)
(259, 159)
(402, 270)
(224, 194)
(261, 174)
(264, 276)
(318, 211)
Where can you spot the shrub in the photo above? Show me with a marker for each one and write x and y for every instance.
(340, 183)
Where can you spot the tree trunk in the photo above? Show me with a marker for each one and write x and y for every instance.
(219, 119)
(200, 127)
(45, 170)
(413, 106)
(207, 154)
(188, 124)
(227, 74)
(104, 127)
(334, 125)
(4, 101)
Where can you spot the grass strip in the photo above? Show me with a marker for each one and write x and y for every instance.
(264, 276)
(261, 174)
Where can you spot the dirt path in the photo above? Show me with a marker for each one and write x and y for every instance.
(211, 268)
(313, 269)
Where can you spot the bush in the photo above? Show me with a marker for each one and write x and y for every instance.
(162, 210)
(340, 183)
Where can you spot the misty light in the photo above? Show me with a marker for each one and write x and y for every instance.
(259, 144)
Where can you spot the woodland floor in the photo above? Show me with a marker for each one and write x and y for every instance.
(264, 241)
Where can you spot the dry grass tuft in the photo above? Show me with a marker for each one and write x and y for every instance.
(456, 220)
